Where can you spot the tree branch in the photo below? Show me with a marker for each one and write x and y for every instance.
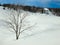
(9, 24)
(27, 28)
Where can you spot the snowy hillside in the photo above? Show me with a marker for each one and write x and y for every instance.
(45, 32)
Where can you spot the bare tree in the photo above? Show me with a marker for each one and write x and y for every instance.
(16, 21)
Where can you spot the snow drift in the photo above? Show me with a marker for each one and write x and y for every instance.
(45, 32)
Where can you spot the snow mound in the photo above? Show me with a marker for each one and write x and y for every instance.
(45, 32)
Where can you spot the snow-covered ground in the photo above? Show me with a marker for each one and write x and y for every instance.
(45, 32)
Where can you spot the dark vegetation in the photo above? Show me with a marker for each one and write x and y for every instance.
(26, 8)
(55, 11)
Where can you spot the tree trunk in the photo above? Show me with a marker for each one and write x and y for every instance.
(17, 37)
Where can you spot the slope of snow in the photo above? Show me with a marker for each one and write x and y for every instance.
(45, 32)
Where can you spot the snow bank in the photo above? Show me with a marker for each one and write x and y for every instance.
(45, 32)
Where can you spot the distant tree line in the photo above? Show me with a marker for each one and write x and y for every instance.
(55, 11)
(31, 8)
(26, 8)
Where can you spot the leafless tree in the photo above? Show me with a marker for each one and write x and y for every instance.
(16, 21)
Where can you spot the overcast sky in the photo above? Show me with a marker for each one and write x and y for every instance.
(38, 3)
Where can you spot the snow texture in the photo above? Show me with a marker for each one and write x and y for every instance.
(45, 32)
